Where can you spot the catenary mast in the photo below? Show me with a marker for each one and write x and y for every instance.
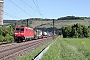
(1, 12)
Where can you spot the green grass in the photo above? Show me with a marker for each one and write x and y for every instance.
(82, 45)
(53, 52)
(32, 54)
(68, 49)
(78, 42)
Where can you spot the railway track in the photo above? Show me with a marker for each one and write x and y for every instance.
(10, 52)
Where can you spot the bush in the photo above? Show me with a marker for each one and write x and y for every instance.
(76, 31)
(1, 38)
(6, 34)
(9, 38)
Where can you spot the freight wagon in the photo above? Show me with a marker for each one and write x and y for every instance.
(38, 34)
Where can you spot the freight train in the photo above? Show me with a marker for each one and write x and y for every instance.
(23, 33)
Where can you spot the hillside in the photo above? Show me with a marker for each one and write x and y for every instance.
(60, 23)
(48, 23)
(36, 23)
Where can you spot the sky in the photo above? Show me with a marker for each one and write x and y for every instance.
(52, 9)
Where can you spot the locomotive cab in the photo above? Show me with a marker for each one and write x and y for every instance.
(23, 33)
(19, 34)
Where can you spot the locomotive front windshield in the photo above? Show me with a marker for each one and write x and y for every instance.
(19, 29)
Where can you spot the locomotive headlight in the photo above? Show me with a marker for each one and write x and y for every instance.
(16, 33)
(22, 33)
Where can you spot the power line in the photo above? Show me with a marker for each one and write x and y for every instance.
(30, 6)
(15, 12)
(37, 7)
(10, 15)
(25, 4)
(20, 8)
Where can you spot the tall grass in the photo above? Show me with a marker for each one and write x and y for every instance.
(52, 53)
(82, 45)
(66, 49)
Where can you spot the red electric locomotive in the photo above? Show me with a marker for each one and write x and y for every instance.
(23, 33)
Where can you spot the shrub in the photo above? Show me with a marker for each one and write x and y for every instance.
(6, 34)
(1, 38)
(76, 31)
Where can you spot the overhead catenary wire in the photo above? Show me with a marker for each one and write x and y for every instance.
(14, 13)
(20, 8)
(10, 15)
(37, 8)
(25, 5)
(30, 6)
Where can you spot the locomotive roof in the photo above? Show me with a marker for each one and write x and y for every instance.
(24, 27)
(29, 28)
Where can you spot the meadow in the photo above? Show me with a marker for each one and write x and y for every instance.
(79, 42)
(69, 49)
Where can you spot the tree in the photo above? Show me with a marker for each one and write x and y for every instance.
(1, 38)
(71, 18)
(76, 31)
(86, 31)
(67, 31)
(6, 34)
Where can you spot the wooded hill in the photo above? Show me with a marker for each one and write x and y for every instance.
(46, 23)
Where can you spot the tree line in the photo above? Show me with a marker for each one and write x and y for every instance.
(63, 18)
(6, 34)
(76, 31)
(71, 18)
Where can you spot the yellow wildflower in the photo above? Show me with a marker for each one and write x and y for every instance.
(83, 43)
